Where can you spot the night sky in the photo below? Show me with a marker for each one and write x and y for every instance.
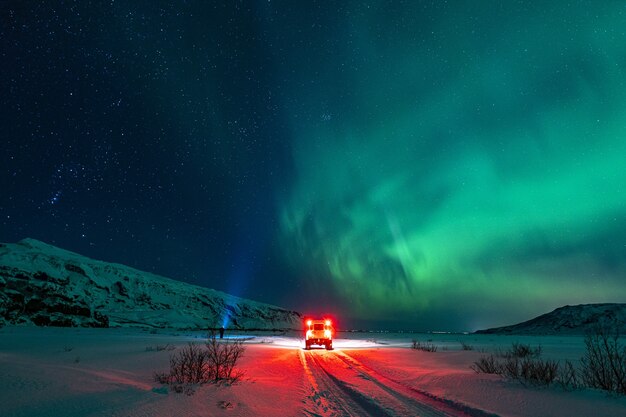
(423, 165)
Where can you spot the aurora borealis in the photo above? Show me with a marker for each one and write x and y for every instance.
(476, 162)
(408, 165)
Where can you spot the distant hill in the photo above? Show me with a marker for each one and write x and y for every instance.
(568, 320)
(47, 286)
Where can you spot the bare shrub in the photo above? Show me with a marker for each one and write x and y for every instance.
(222, 359)
(196, 365)
(511, 368)
(568, 376)
(604, 362)
(466, 346)
(538, 371)
(487, 365)
(425, 346)
(603, 366)
(190, 365)
(521, 350)
(524, 369)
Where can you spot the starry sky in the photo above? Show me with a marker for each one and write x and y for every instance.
(419, 165)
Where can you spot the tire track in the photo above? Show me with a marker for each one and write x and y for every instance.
(449, 407)
(329, 398)
(342, 386)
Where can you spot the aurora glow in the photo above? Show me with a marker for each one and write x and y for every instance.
(473, 171)
(419, 165)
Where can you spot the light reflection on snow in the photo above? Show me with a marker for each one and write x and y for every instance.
(554, 347)
(298, 343)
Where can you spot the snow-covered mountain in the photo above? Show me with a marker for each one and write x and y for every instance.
(45, 285)
(577, 319)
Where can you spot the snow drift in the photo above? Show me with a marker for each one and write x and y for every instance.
(48, 286)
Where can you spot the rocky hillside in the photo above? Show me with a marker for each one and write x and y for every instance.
(569, 320)
(47, 286)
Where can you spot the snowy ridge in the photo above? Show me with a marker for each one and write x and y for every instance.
(45, 285)
(577, 319)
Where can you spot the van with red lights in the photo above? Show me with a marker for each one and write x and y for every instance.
(319, 332)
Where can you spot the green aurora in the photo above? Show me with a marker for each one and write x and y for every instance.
(459, 165)
(418, 165)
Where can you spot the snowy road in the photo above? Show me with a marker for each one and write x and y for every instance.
(342, 386)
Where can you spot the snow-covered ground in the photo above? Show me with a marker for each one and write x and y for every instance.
(109, 372)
